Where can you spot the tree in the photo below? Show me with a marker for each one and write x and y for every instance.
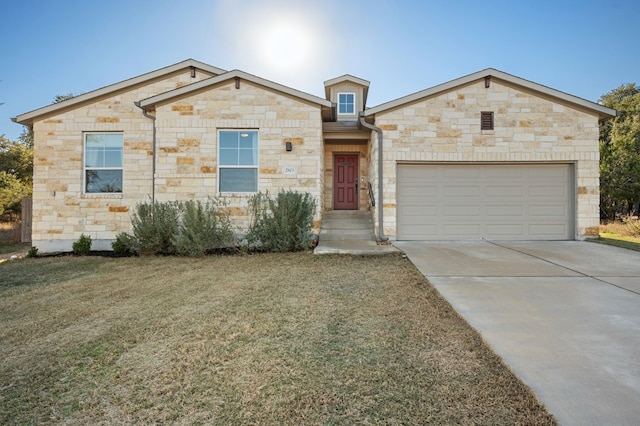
(16, 174)
(620, 153)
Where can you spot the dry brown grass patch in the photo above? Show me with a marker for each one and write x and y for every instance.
(261, 339)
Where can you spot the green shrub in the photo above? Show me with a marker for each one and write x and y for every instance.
(189, 228)
(282, 223)
(124, 245)
(82, 246)
(204, 227)
(33, 252)
(154, 225)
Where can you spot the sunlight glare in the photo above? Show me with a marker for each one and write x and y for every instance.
(285, 44)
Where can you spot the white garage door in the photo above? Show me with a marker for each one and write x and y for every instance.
(493, 202)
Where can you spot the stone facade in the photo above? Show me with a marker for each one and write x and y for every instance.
(187, 143)
(528, 129)
(61, 209)
(532, 126)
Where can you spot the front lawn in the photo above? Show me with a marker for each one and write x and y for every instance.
(260, 339)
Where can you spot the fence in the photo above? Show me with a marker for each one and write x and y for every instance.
(25, 231)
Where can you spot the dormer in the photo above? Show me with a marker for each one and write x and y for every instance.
(348, 94)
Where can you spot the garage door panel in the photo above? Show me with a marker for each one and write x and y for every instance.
(419, 229)
(547, 191)
(465, 210)
(504, 173)
(462, 191)
(417, 191)
(459, 174)
(548, 172)
(500, 231)
(477, 201)
(547, 229)
(504, 190)
(462, 230)
(420, 211)
(549, 211)
(504, 211)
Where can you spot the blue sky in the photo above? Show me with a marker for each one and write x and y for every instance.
(585, 48)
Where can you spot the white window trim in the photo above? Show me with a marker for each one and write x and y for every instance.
(85, 168)
(354, 103)
(222, 166)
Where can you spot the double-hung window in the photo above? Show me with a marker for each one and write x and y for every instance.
(238, 160)
(103, 162)
(346, 103)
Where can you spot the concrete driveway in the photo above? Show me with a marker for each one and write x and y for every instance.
(565, 316)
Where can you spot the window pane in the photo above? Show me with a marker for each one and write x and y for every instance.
(238, 180)
(228, 157)
(113, 158)
(249, 140)
(104, 181)
(228, 139)
(103, 150)
(112, 140)
(346, 103)
(247, 157)
(94, 157)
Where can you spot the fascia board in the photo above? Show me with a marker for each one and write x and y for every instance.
(602, 111)
(28, 117)
(149, 103)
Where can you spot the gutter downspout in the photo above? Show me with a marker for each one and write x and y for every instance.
(153, 148)
(378, 130)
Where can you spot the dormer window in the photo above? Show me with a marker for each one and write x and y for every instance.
(346, 103)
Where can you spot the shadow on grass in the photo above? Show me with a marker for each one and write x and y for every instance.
(629, 243)
(28, 272)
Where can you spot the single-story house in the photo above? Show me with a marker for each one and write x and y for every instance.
(485, 156)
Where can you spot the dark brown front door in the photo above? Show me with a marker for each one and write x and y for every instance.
(345, 182)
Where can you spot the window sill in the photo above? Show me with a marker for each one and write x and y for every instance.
(105, 195)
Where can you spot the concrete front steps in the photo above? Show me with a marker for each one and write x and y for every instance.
(341, 225)
(349, 232)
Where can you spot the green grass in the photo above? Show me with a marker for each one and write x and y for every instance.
(260, 339)
(612, 239)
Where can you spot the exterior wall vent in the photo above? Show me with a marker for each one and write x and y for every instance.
(486, 120)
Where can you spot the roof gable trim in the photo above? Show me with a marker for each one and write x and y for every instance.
(602, 111)
(152, 101)
(28, 117)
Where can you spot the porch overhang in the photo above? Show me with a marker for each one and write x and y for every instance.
(344, 131)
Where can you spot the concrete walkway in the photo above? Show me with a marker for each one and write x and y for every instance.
(565, 316)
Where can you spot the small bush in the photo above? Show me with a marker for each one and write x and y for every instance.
(204, 227)
(189, 228)
(33, 252)
(124, 245)
(82, 246)
(282, 223)
(154, 225)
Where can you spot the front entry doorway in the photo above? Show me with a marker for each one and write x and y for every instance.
(345, 182)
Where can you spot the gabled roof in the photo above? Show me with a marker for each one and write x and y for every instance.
(346, 78)
(603, 112)
(28, 117)
(150, 103)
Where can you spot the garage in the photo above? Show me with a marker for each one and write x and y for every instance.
(485, 201)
